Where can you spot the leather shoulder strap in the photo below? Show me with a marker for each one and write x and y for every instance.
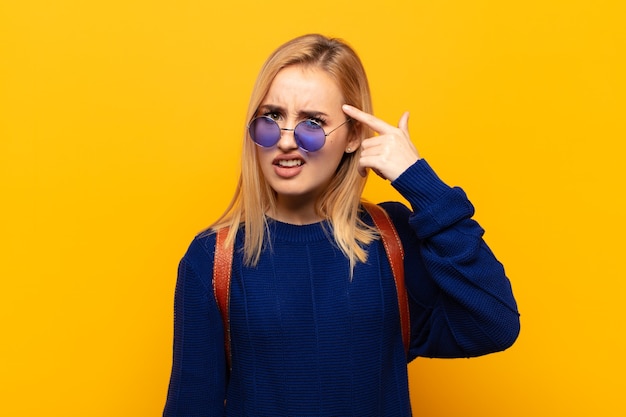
(395, 254)
(222, 271)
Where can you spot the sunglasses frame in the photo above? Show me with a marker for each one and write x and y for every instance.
(293, 129)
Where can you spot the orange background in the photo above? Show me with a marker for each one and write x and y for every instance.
(119, 136)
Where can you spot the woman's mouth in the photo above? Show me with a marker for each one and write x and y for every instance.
(288, 167)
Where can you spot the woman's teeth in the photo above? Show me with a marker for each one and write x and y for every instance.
(290, 163)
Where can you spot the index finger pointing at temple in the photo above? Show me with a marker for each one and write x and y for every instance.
(373, 122)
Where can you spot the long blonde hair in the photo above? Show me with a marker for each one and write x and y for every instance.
(340, 202)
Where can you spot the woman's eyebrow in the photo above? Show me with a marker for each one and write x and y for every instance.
(270, 108)
(311, 114)
(302, 114)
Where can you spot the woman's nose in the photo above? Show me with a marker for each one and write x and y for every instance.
(287, 139)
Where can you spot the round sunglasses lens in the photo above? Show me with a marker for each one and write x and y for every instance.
(309, 135)
(264, 132)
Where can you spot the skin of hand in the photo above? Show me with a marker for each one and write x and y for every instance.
(390, 152)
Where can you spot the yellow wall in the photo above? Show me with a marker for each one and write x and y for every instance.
(119, 135)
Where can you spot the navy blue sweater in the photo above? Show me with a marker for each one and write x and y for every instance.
(309, 341)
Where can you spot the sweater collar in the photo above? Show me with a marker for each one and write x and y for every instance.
(280, 231)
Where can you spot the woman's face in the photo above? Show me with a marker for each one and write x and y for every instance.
(303, 93)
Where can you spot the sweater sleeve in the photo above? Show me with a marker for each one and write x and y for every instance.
(198, 379)
(461, 301)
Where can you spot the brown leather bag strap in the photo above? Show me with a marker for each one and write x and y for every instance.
(395, 254)
(222, 271)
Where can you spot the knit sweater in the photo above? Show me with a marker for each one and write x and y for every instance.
(307, 340)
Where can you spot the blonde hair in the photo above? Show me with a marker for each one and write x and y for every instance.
(340, 202)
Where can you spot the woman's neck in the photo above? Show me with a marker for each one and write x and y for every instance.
(295, 211)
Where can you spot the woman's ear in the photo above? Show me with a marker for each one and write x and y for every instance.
(354, 136)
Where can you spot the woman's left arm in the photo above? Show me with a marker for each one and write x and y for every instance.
(461, 301)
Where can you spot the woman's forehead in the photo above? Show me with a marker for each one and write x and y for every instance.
(304, 89)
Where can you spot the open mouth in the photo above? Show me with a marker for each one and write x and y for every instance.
(288, 163)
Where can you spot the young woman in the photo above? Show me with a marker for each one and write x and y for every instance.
(314, 320)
